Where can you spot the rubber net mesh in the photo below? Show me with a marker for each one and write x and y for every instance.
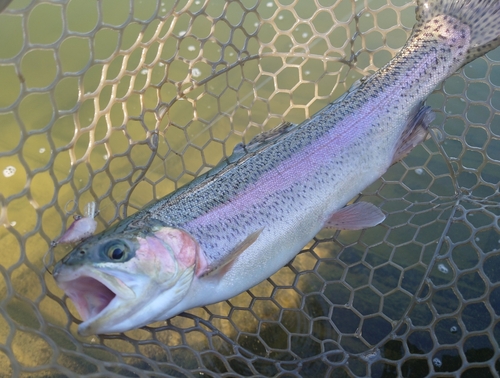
(121, 102)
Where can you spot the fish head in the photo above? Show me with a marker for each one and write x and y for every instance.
(121, 281)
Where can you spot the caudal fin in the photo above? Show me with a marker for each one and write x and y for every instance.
(481, 16)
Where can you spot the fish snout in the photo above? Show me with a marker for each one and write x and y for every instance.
(75, 257)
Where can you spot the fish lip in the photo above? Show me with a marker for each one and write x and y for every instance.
(93, 292)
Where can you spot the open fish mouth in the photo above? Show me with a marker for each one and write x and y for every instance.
(94, 293)
(90, 296)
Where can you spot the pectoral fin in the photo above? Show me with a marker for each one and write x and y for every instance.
(223, 265)
(357, 216)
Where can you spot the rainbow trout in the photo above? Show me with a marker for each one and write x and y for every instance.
(242, 221)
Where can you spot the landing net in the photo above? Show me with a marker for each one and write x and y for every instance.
(121, 102)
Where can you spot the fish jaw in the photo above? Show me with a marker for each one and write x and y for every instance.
(107, 305)
(96, 294)
(119, 296)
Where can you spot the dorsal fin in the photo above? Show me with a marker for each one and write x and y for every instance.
(263, 138)
(239, 153)
(257, 142)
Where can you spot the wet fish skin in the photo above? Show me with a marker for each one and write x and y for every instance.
(250, 215)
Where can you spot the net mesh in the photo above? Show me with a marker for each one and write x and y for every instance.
(122, 102)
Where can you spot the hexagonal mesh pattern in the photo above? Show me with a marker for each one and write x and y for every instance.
(122, 102)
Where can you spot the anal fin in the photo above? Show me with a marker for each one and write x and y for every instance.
(414, 133)
(357, 216)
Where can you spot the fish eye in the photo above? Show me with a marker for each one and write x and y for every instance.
(117, 251)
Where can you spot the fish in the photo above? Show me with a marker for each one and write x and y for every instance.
(243, 220)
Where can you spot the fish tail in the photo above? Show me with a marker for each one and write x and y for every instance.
(481, 16)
